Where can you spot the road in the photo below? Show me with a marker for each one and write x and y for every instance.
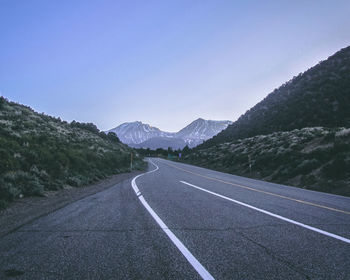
(184, 222)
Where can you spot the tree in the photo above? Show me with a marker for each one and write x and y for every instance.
(113, 137)
(2, 101)
(186, 150)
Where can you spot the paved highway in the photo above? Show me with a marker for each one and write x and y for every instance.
(184, 222)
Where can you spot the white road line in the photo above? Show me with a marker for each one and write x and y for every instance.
(272, 214)
(187, 254)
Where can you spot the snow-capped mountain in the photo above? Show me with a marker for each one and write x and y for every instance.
(200, 130)
(138, 134)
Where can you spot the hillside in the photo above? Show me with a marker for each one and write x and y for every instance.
(313, 158)
(39, 153)
(318, 97)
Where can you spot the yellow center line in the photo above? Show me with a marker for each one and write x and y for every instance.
(260, 191)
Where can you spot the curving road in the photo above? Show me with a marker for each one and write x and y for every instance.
(184, 222)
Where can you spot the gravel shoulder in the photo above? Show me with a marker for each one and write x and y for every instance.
(28, 209)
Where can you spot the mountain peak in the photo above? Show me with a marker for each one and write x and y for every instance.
(201, 130)
(136, 133)
(199, 120)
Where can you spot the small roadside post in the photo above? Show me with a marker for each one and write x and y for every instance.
(250, 164)
(130, 161)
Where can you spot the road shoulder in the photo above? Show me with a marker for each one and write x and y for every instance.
(26, 210)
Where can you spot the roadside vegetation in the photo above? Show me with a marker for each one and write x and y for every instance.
(312, 158)
(39, 153)
(161, 153)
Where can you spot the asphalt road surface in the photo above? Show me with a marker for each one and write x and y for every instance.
(183, 222)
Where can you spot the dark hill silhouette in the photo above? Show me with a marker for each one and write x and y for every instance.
(318, 97)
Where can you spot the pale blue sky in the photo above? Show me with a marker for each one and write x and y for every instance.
(166, 62)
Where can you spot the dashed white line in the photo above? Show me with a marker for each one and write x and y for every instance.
(272, 214)
(187, 254)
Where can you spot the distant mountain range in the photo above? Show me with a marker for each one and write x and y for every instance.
(140, 135)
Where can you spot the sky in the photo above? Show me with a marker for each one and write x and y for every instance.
(165, 63)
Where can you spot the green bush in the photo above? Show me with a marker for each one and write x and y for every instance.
(2, 101)
(337, 169)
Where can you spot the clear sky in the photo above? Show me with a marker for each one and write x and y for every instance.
(163, 62)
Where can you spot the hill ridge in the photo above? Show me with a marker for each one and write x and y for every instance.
(320, 96)
(40, 153)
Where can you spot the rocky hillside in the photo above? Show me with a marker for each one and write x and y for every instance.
(313, 158)
(40, 153)
(318, 97)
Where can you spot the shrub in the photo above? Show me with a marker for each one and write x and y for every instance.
(337, 169)
(2, 101)
(111, 136)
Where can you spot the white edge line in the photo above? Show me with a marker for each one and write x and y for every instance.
(272, 214)
(187, 254)
(257, 180)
